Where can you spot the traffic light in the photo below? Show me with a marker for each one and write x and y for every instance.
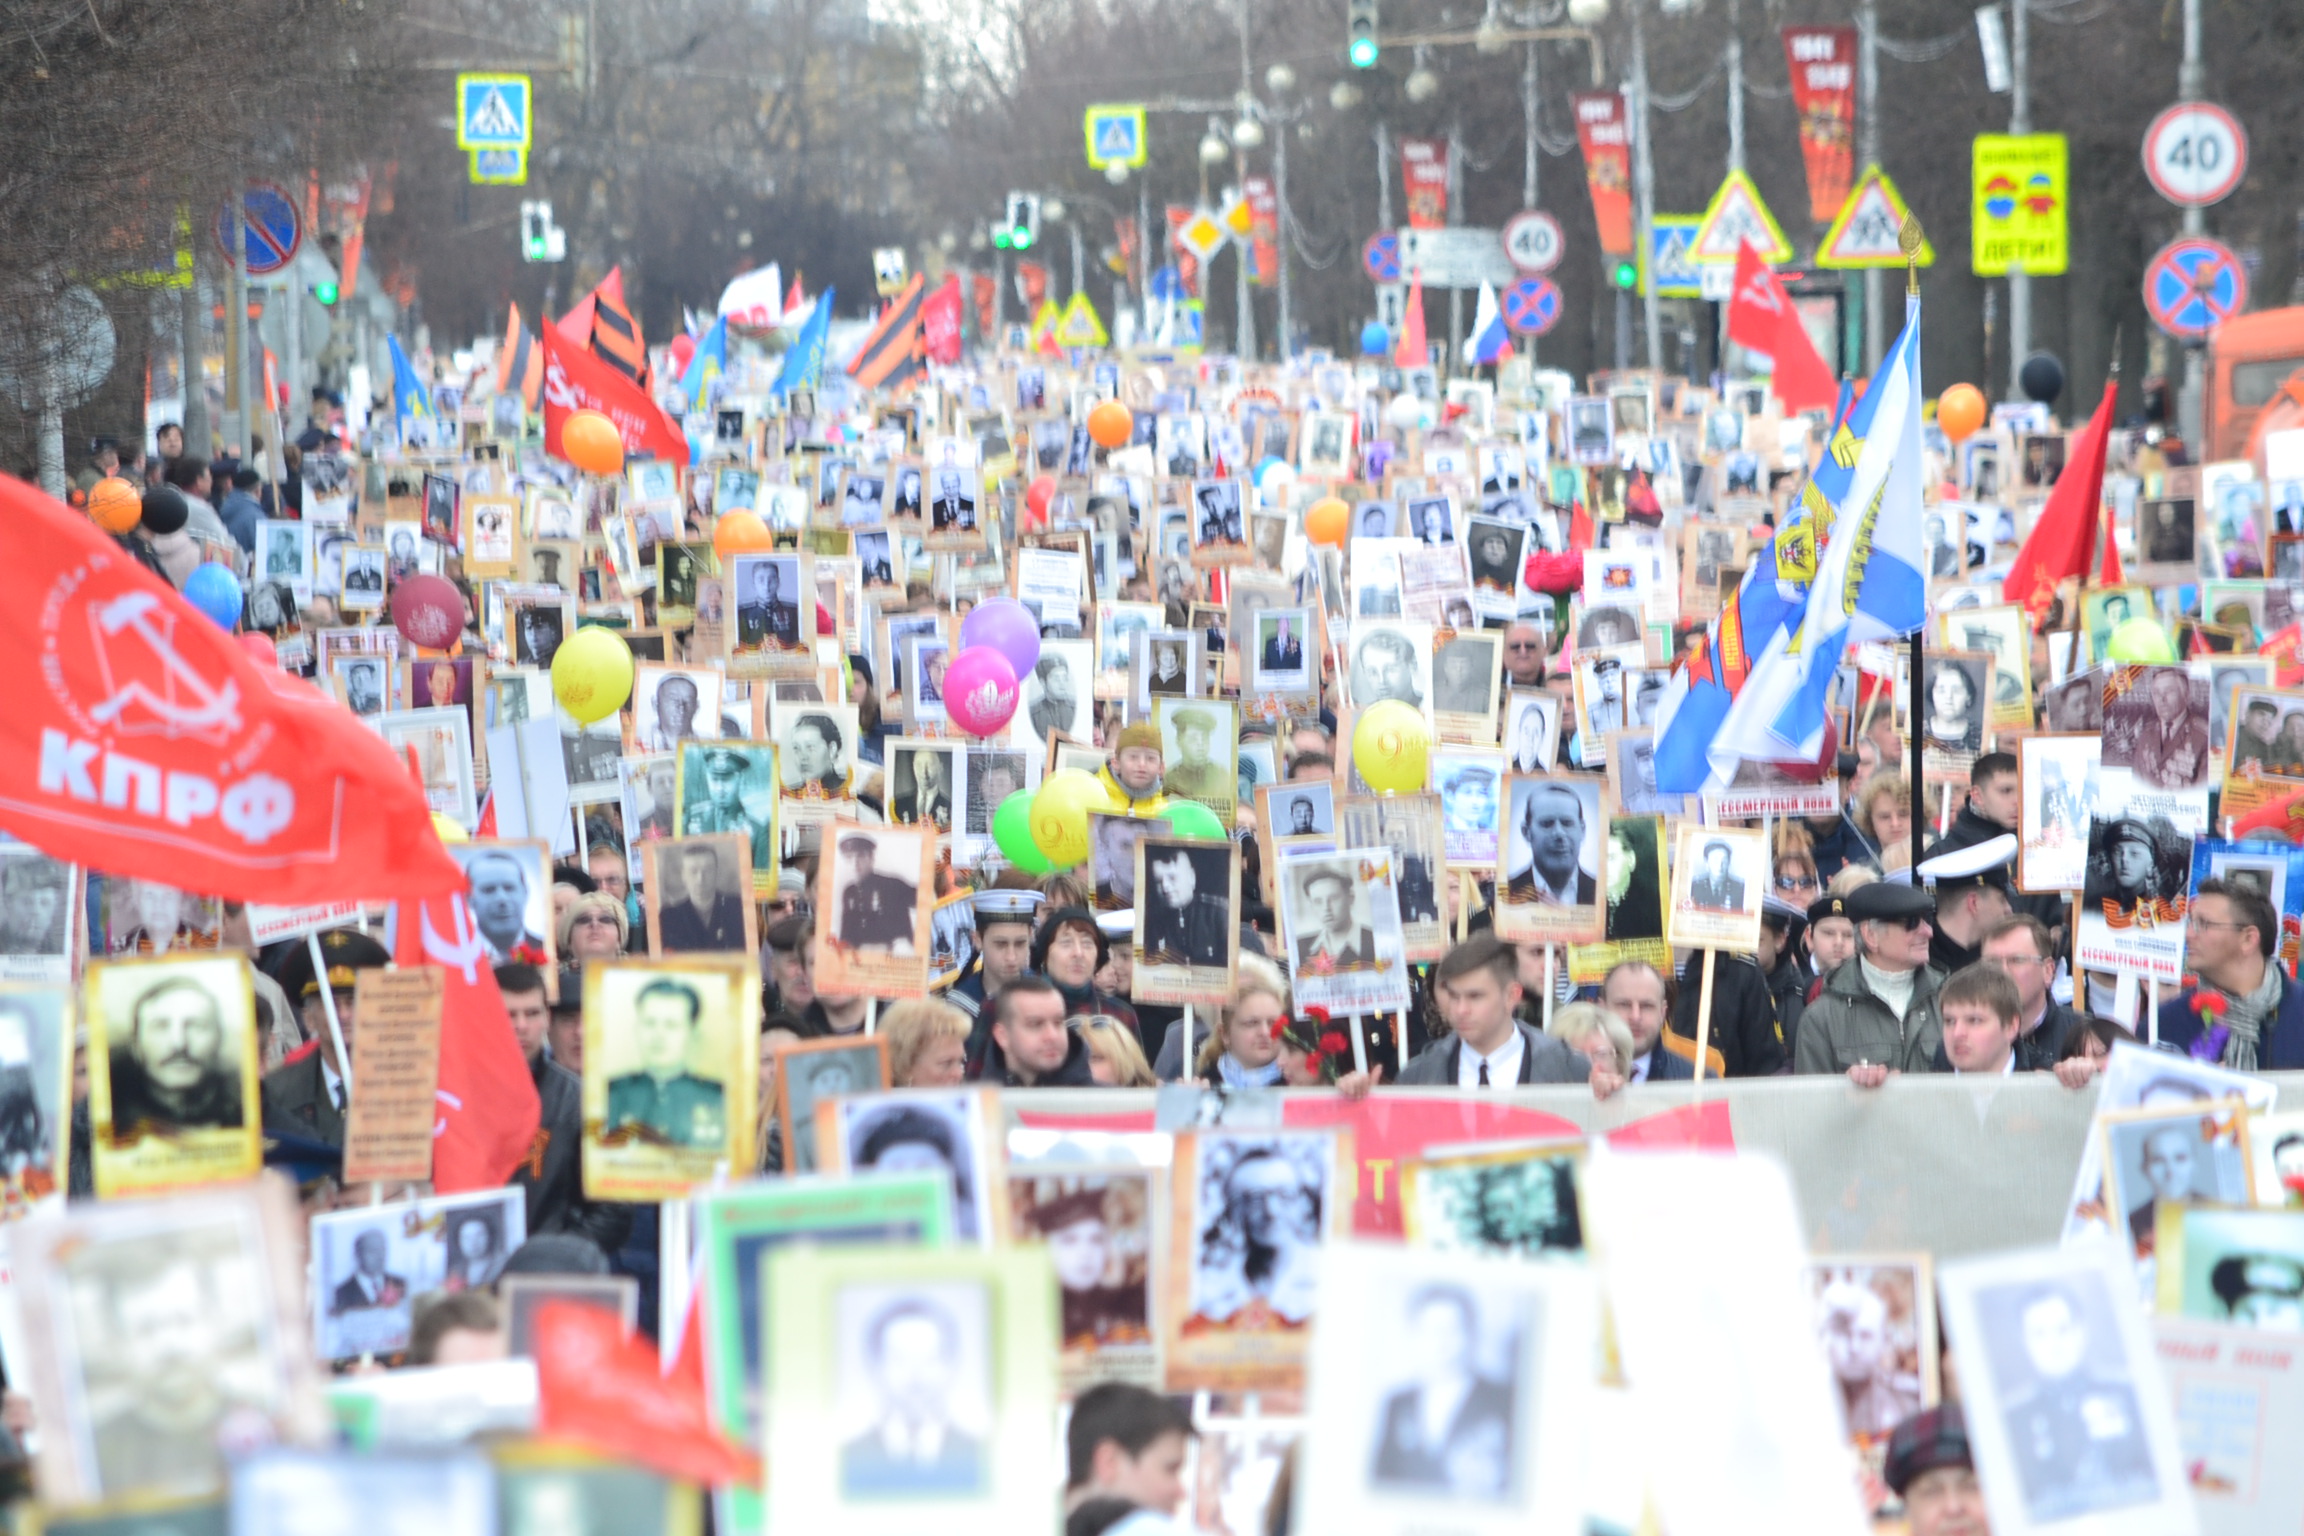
(1360, 43)
(540, 238)
(1625, 274)
(1023, 227)
(325, 291)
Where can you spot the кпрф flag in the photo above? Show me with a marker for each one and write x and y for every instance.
(891, 354)
(1870, 580)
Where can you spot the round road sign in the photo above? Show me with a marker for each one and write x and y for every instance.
(1531, 306)
(1532, 240)
(2194, 285)
(273, 228)
(1381, 256)
(2195, 153)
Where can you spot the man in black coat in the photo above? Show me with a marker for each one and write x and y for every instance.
(307, 1097)
(552, 1175)
(1744, 1027)
(1635, 992)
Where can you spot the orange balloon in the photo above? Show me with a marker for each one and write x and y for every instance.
(739, 531)
(1327, 520)
(591, 442)
(114, 505)
(1111, 424)
(1960, 410)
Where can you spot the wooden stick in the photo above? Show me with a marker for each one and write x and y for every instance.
(2152, 1011)
(335, 1025)
(1188, 1048)
(871, 1014)
(1703, 1024)
(1400, 1037)
(1359, 1045)
(1551, 985)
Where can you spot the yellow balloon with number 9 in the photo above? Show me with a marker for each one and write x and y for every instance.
(1060, 815)
(1391, 746)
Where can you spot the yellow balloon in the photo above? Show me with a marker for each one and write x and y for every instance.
(1390, 745)
(450, 829)
(592, 673)
(1060, 815)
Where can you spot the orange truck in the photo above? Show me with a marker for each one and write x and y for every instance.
(2253, 385)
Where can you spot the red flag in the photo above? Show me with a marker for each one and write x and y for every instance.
(574, 379)
(1412, 352)
(1031, 284)
(794, 299)
(2063, 538)
(142, 739)
(602, 1390)
(1604, 131)
(940, 322)
(1761, 316)
(487, 1101)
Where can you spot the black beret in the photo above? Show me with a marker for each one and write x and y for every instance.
(346, 950)
(1885, 901)
(1826, 906)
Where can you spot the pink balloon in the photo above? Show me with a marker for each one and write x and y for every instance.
(428, 611)
(979, 690)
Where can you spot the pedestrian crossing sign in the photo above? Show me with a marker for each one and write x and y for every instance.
(1081, 325)
(1866, 230)
(500, 167)
(1669, 271)
(1115, 136)
(1736, 215)
(492, 112)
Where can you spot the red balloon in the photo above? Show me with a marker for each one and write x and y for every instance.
(428, 611)
(1039, 494)
(823, 621)
(259, 647)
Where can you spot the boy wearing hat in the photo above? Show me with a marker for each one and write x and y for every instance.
(306, 1097)
(1877, 1013)
(1132, 777)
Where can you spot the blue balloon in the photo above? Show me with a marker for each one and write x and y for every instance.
(215, 591)
(1374, 339)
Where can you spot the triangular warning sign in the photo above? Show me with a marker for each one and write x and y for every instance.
(1080, 326)
(493, 118)
(1864, 234)
(1736, 215)
(1044, 320)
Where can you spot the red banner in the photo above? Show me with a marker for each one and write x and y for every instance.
(577, 380)
(987, 289)
(1602, 130)
(1264, 227)
(1761, 316)
(940, 322)
(605, 1391)
(1823, 65)
(1187, 264)
(1031, 285)
(1424, 169)
(141, 739)
(488, 1109)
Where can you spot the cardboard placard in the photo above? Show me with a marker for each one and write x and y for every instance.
(395, 1076)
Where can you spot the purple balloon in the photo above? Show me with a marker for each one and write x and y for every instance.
(1008, 627)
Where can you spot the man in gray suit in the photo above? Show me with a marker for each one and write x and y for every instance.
(1478, 987)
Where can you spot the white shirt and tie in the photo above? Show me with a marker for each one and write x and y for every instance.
(1500, 1066)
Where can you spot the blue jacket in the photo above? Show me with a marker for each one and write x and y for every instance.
(2281, 1048)
(241, 513)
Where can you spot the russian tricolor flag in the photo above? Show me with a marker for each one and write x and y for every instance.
(1491, 343)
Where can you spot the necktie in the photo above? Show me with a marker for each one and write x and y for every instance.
(1483, 1074)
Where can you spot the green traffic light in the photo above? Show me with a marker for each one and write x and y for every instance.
(1363, 53)
(1001, 239)
(1021, 239)
(325, 293)
(1626, 275)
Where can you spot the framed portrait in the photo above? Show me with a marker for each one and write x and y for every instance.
(1340, 925)
(2157, 1156)
(1390, 659)
(1955, 689)
(1324, 445)
(952, 485)
(679, 567)
(864, 496)
(1522, 1199)
(1467, 675)
(671, 1068)
(809, 1071)
(1605, 680)
(1200, 743)
(508, 889)
(2244, 1269)
(953, 1132)
(1531, 730)
(815, 748)
(989, 775)
(1058, 694)
(2004, 634)
(362, 588)
(438, 682)
(2059, 792)
(2276, 1159)
(152, 1329)
(491, 535)
(1720, 876)
(649, 793)
(1168, 664)
(869, 1351)
(40, 905)
(172, 1072)
(952, 941)
(1554, 830)
(37, 1030)
(925, 781)
(1470, 782)
(674, 705)
(774, 629)
(744, 1230)
(1102, 1228)
(524, 1295)
(2227, 675)
(2266, 737)
(1187, 933)
(1876, 1323)
(897, 629)
(1297, 808)
(1283, 648)
(699, 894)
(2156, 726)
(543, 1489)
(1410, 825)
(2044, 1336)
(145, 917)
(2076, 704)
(1514, 1340)
(1118, 628)
(1632, 787)
(371, 1263)
(535, 626)
(1252, 1212)
(1112, 842)
(284, 554)
(2137, 1077)
(1220, 533)
(362, 682)
(730, 787)
(871, 923)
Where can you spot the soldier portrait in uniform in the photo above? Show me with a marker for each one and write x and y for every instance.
(730, 787)
(663, 1093)
(1717, 887)
(875, 908)
(810, 1071)
(915, 1370)
(670, 1067)
(699, 895)
(816, 748)
(1200, 744)
(1876, 1321)
(1187, 923)
(2158, 728)
(671, 707)
(768, 616)
(1099, 1233)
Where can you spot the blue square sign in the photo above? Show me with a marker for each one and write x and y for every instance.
(492, 112)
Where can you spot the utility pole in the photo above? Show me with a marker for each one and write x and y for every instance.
(2190, 399)
(1383, 176)
(1528, 126)
(193, 338)
(235, 327)
(1280, 194)
(1735, 89)
(1644, 204)
(2019, 121)
(1455, 217)
(1867, 155)
(1244, 342)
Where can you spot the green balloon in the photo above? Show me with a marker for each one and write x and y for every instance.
(1192, 819)
(2140, 642)
(1012, 831)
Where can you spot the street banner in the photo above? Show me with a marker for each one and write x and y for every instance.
(1822, 61)
(1424, 168)
(1602, 131)
(1187, 264)
(940, 322)
(1264, 227)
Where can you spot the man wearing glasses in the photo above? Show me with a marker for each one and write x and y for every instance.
(2020, 946)
(1524, 656)
(1877, 1013)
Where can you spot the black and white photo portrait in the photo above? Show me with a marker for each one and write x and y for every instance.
(1112, 841)
(992, 776)
(876, 891)
(768, 594)
(1284, 649)
(1185, 898)
(1532, 730)
(1465, 674)
(921, 1131)
(1956, 702)
(1058, 693)
(1391, 661)
(1258, 1213)
(1496, 550)
(1450, 1361)
(699, 892)
(672, 707)
(920, 783)
(915, 1372)
(362, 680)
(1553, 834)
(174, 1042)
(36, 913)
(1301, 809)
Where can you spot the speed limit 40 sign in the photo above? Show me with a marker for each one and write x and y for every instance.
(1532, 240)
(2195, 154)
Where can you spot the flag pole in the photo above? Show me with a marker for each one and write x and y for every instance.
(1909, 239)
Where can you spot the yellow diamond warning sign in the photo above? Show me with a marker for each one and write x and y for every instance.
(1736, 215)
(1201, 234)
(1864, 234)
